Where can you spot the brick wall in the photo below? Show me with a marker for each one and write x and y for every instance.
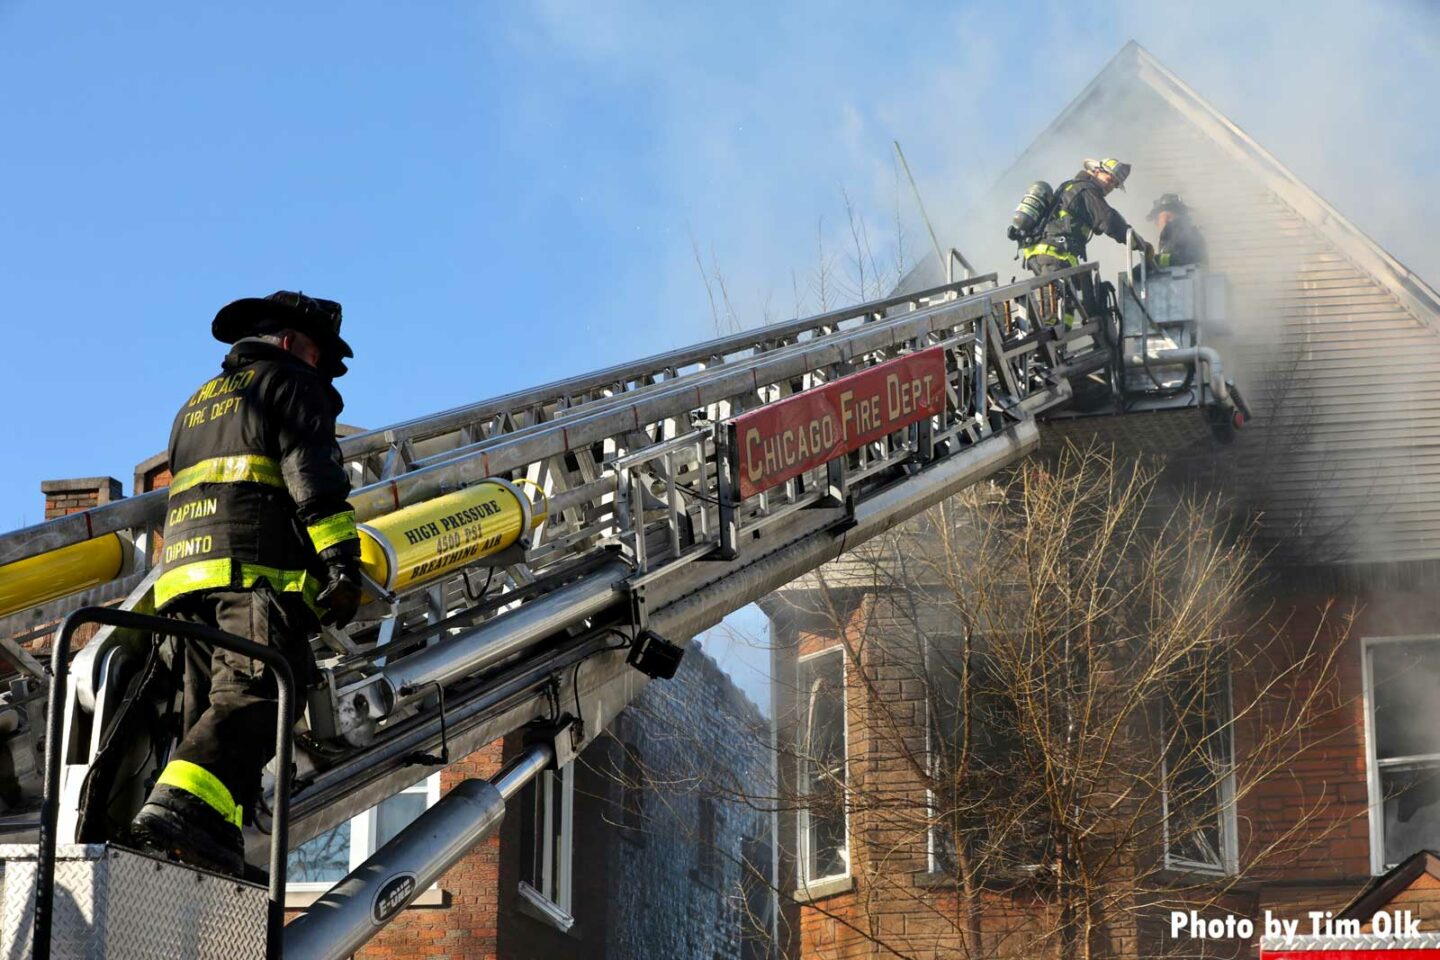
(1321, 784)
(75, 495)
(636, 893)
(1422, 899)
(466, 925)
(696, 742)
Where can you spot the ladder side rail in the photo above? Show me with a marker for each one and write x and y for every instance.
(711, 494)
(380, 439)
(457, 657)
(663, 401)
(707, 495)
(145, 509)
(638, 396)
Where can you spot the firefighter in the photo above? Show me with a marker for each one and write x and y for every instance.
(1179, 242)
(259, 542)
(1079, 211)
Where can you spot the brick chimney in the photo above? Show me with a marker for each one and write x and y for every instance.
(152, 474)
(81, 493)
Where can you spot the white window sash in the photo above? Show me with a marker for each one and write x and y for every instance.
(1374, 766)
(363, 832)
(552, 898)
(803, 814)
(1225, 813)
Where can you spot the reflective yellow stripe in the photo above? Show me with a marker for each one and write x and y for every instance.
(238, 469)
(332, 530)
(197, 781)
(189, 577)
(1046, 250)
(284, 581)
(1164, 259)
(218, 575)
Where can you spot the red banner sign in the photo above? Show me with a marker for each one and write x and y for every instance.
(788, 437)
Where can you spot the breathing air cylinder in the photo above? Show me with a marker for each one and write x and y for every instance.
(429, 539)
(62, 572)
(398, 550)
(1029, 215)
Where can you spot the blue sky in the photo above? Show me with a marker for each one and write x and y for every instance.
(503, 193)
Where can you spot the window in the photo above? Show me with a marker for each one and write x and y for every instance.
(824, 846)
(944, 733)
(978, 765)
(1402, 695)
(707, 858)
(318, 863)
(546, 807)
(1198, 798)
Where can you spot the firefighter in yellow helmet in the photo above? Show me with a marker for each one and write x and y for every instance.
(1078, 212)
(259, 542)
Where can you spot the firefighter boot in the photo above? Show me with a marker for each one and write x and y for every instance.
(178, 824)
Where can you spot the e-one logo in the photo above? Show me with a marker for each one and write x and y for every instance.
(392, 897)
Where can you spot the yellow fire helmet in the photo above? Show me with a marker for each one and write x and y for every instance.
(1115, 168)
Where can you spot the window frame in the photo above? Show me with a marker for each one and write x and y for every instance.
(1226, 814)
(557, 867)
(1373, 764)
(707, 843)
(933, 866)
(362, 843)
(802, 814)
(933, 648)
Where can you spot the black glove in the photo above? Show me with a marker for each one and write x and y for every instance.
(341, 596)
(1143, 245)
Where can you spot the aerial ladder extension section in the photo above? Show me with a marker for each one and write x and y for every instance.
(531, 562)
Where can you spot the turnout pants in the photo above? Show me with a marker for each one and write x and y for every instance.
(1041, 265)
(230, 708)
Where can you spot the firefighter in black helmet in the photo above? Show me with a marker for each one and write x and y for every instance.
(1179, 242)
(1078, 212)
(259, 542)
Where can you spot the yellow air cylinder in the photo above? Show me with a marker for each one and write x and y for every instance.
(430, 539)
(60, 573)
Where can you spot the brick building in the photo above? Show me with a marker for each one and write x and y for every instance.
(635, 851)
(1337, 345)
(629, 853)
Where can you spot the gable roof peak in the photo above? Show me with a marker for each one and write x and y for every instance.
(1133, 64)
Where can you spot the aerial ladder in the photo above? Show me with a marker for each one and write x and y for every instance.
(531, 562)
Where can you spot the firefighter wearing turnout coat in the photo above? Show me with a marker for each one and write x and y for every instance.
(1079, 211)
(259, 542)
(1180, 242)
